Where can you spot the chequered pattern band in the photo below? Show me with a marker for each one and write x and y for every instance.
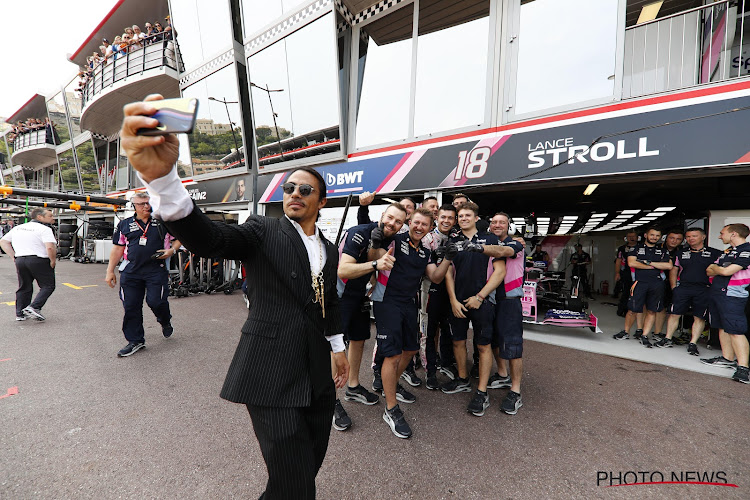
(108, 138)
(287, 24)
(374, 10)
(218, 62)
(344, 11)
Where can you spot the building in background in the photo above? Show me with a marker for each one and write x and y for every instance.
(524, 104)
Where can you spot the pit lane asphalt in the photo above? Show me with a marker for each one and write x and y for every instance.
(86, 424)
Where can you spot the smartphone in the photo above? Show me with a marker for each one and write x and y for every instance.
(176, 116)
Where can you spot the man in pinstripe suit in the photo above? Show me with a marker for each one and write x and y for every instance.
(281, 368)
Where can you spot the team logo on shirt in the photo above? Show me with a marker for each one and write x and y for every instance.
(744, 254)
(641, 251)
(421, 254)
(405, 247)
(686, 255)
(133, 227)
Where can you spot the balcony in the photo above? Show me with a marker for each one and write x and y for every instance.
(693, 47)
(35, 149)
(131, 77)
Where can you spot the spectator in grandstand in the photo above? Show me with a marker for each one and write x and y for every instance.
(169, 32)
(149, 32)
(158, 32)
(138, 35)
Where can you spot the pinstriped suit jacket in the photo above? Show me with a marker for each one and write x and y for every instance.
(283, 357)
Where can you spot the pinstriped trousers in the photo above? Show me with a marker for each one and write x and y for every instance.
(293, 442)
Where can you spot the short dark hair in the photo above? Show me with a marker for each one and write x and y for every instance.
(36, 212)
(503, 214)
(651, 228)
(461, 195)
(321, 182)
(469, 206)
(699, 229)
(675, 230)
(740, 229)
(428, 199)
(448, 208)
(408, 198)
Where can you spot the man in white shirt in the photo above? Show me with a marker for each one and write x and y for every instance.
(282, 366)
(33, 248)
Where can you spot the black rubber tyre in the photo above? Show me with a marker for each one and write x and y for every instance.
(67, 228)
(64, 250)
(64, 242)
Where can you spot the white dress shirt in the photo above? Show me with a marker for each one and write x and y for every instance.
(171, 201)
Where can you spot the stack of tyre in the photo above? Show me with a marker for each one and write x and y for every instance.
(65, 236)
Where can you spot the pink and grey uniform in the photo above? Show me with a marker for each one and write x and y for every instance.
(140, 275)
(508, 334)
(395, 298)
(728, 294)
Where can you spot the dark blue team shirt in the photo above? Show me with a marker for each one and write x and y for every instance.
(356, 244)
(655, 254)
(400, 284)
(128, 234)
(692, 265)
(473, 269)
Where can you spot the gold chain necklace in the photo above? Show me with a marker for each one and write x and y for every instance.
(317, 282)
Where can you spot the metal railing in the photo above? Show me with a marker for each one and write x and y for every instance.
(693, 47)
(34, 138)
(157, 54)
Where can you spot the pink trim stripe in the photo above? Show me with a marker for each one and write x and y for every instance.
(494, 143)
(402, 170)
(739, 282)
(628, 105)
(514, 284)
(272, 187)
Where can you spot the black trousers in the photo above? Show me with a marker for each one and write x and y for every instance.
(435, 321)
(32, 268)
(293, 442)
(622, 305)
(155, 287)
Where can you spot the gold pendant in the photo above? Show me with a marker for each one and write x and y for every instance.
(317, 284)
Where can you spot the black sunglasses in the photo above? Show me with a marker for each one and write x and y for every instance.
(304, 189)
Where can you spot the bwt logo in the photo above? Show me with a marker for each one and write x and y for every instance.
(344, 178)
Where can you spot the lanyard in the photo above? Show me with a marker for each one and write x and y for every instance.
(141, 228)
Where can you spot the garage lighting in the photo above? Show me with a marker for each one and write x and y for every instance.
(629, 212)
(665, 209)
(590, 189)
(657, 214)
(543, 220)
(570, 218)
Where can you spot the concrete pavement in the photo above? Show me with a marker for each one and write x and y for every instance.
(86, 424)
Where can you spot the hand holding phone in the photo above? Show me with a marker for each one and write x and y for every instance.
(175, 116)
